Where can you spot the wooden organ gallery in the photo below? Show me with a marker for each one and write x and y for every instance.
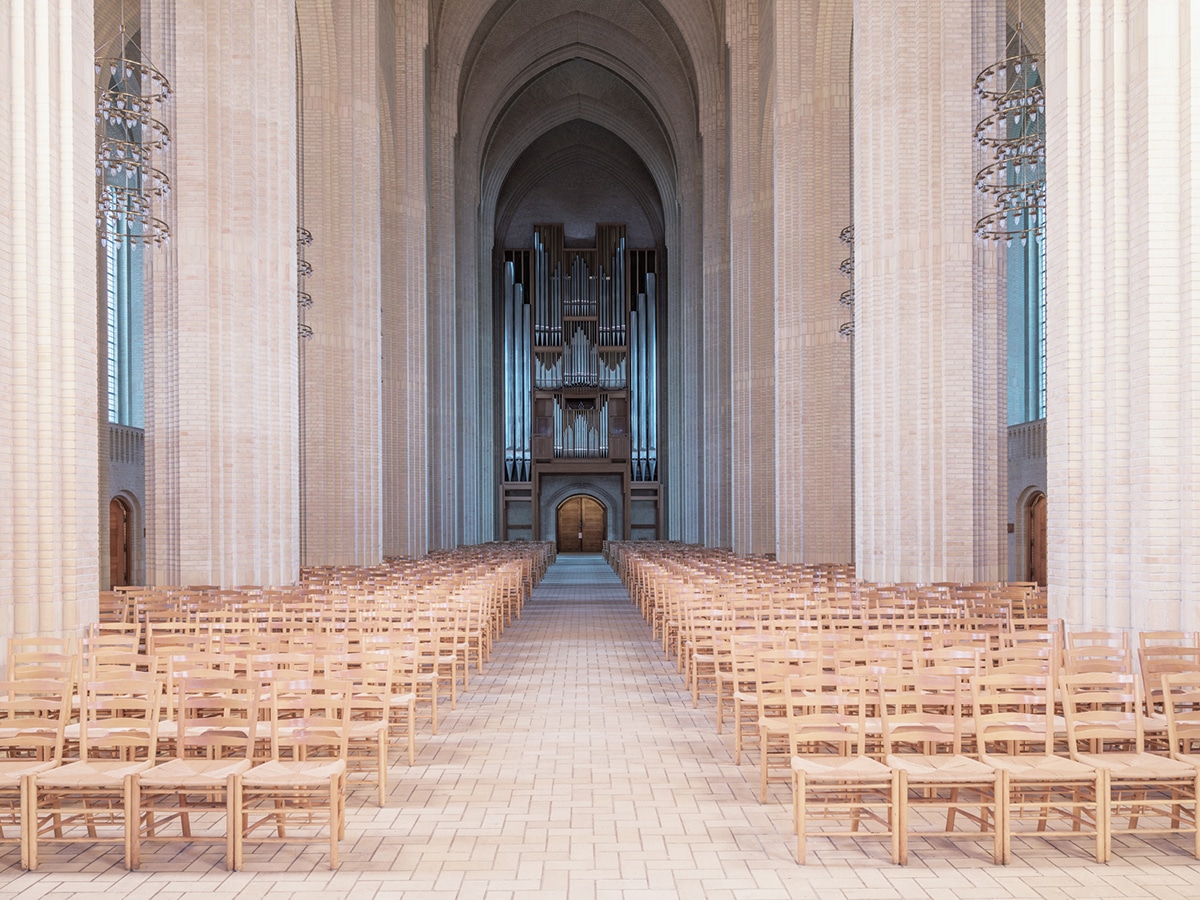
(581, 376)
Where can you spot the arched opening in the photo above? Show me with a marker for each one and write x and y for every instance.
(1035, 538)
(581, 525)
(119, 556)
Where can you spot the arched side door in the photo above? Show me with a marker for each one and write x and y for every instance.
(1035, 533)
(118, 542)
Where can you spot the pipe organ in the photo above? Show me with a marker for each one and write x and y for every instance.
(581, 369)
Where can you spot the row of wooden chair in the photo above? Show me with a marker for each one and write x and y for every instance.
(871, 751)
(963, 701)
(287, 772)
(240, 705)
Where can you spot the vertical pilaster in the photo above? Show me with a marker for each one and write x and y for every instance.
(715, 311)
(49, 472)
(752, 348)
(342, 478)
(926, 450)
(222, 477)
(405, 213)
(1123, 337)
(810, 178)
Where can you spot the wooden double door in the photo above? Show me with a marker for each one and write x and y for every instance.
(581, 525)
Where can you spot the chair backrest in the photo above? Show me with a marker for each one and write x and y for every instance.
(1169, 639)
(310, 718)
(1115, 639)
(281, 665)
(1156, 660)
(1013, 713)
(921, 713)
(1103, 712)
(1097, 659)
(33, 718)
(1181, 703)
(964, 661)
(370, 674)
(28, 663)
(104, 663)
(825, 719)
(119, 717)
(217, 716)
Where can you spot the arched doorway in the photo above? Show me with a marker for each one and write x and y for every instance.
(1035, 538)
(581, 525)
(119, 557)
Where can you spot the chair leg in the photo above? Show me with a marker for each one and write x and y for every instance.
(381, 770)
(412, 735)
(131, 794)
(334, 821)
(800, 813)
(29, 810)
(898, 816)
(26, 806)
(233, 788)
(1196, 815)
(997, 828)
(1103, 816)
(762, 755)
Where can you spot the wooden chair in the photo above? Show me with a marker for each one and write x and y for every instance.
(1014, 733)
(33, 715)
(1181, 691)
(303, 784)
(842, 783)
(402, 705)
(1105, 731)
(118, 737)
(370, 675)
(922, 726)
(744, 650)
(775, 670)
(217, 718)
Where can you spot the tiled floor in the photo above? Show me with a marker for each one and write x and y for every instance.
(576, 767)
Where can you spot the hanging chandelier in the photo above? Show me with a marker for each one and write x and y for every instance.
(846, 236)
(1011, 136)
(129, 94)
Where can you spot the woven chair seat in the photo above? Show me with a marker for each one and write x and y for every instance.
(93, 773)
(946, 769)
(827, 767)
(1138, 766)
(1040, 768)
(280, 773)
(176, 772)
(13, 770)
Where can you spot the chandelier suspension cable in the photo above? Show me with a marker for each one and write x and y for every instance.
(130, 93)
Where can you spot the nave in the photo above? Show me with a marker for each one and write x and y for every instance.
(576, 766)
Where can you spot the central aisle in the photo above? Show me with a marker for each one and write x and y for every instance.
(577, 767)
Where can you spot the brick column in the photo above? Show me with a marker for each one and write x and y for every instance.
(1123, 349)
(49, 544)
(342, 477)
(221, 438)
(752, 345)
(928, 450)
(405, 214)
(810, 174)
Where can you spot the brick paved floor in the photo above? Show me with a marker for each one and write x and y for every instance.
(576, 767)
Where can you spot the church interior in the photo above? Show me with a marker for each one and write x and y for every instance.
(531, 365)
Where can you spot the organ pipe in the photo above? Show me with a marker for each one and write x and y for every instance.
(517, 366)
(580, 327)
